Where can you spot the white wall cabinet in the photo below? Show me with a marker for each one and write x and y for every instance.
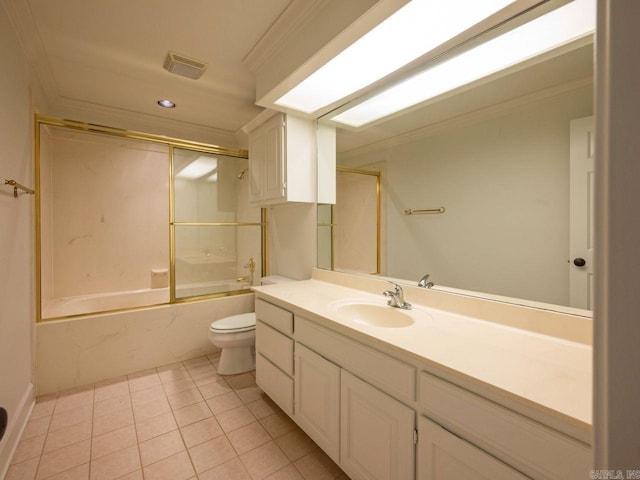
(282, 161)
(377, 433)
(317, 398)
(443, 456)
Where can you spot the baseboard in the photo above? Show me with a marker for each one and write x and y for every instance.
(16, 425)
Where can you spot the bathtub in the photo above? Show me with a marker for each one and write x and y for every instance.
(109, 301)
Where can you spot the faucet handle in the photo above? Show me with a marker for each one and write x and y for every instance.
(398, 288)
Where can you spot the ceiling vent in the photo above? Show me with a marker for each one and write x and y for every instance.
(184, 66)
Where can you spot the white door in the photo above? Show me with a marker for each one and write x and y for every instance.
(581, 213)
(376, 433)
(443, 456)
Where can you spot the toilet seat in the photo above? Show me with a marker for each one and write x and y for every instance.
(234, 324)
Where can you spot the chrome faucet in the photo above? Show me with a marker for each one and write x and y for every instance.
(396, 298)
(423, 282)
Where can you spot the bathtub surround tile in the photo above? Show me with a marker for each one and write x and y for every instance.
(175, 467)
(264, 460)
(24, 470)
(111, 442)
(116, 465)
(161, 447)
(211, 453)
(63, 459)
(248, 437)
(113, 421)
(201, 431)
(68, 436)
(185, 398)
(156, 426)
(233, 469)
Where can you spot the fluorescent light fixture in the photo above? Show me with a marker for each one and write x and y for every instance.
(554, 29)
(200, 167)
(412, 31)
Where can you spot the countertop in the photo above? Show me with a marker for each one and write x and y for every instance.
(553, 373)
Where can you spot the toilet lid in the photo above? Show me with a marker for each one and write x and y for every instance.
(235, 323)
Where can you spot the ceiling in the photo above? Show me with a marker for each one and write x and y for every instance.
(109, 55)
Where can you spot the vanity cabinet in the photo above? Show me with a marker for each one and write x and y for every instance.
(443, 456)
(282, 161)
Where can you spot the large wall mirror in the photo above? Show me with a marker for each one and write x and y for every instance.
(488, 189)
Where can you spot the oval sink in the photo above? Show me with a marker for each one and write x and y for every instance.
(375, 315)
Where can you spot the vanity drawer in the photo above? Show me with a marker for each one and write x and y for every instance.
(275, 383)
(387, 373)
(275, 346)
(529, 446)
(277, 317)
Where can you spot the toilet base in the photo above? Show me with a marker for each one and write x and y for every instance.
(237, 360)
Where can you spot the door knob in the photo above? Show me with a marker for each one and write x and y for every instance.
(579, 262)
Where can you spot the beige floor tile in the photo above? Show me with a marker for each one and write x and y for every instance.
(201, 431)
(179, 385)
(113, 441)
(44, 406)
(184, 398)
(28, 448)
(211, 453)
(250, 394)
(224, 403)
(236, 418)
(197, 361)
(240, 381)
(135, 475)
(290, 472)
(112, 404)
(161, 447)
(214, 389)
(248, 437)
(317, 466)
(116, 465)
(207, 378)
(111, 388)
(63, 459)
(146, 395)
(151, 409)
(156, 426)
(24, 470)
(204, 368)
(175, 467)
(71, 417)
(295, 444)
(192, 414)
(73, 399)
(142, 380)
(233, 469)
(67, 436)
(36, 427)
(263, 407)
(113, 421)
(278, 424)
(81, 472)
(264, 460)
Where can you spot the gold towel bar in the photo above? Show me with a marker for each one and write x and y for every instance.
(17, 186)
(408, 211)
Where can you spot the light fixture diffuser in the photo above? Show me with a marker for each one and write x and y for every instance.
(570, 22)
(415, 29)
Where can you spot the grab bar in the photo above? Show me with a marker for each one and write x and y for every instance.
(408, 211)
(17, 186)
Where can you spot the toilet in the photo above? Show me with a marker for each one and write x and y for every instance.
(236, 337)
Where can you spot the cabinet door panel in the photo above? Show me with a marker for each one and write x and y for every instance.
(443, 456)
(275, 383)
(273, 171)
(317, 399)
(376, 433)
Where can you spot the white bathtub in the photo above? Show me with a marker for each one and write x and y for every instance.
(105, 302)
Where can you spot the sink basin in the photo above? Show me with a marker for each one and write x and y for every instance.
(376, 315)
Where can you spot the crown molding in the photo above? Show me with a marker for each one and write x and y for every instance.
(492, 111)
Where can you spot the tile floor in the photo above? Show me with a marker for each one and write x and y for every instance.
(176, 422)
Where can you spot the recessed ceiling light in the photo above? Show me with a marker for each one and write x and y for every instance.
(166, 103)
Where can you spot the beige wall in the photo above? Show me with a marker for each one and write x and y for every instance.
(504, 184)
(17, 305)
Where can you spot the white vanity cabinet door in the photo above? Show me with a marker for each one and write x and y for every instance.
(317, 399)
(376, 433)
(443, 456)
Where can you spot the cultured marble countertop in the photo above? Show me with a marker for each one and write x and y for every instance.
(553, 373)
